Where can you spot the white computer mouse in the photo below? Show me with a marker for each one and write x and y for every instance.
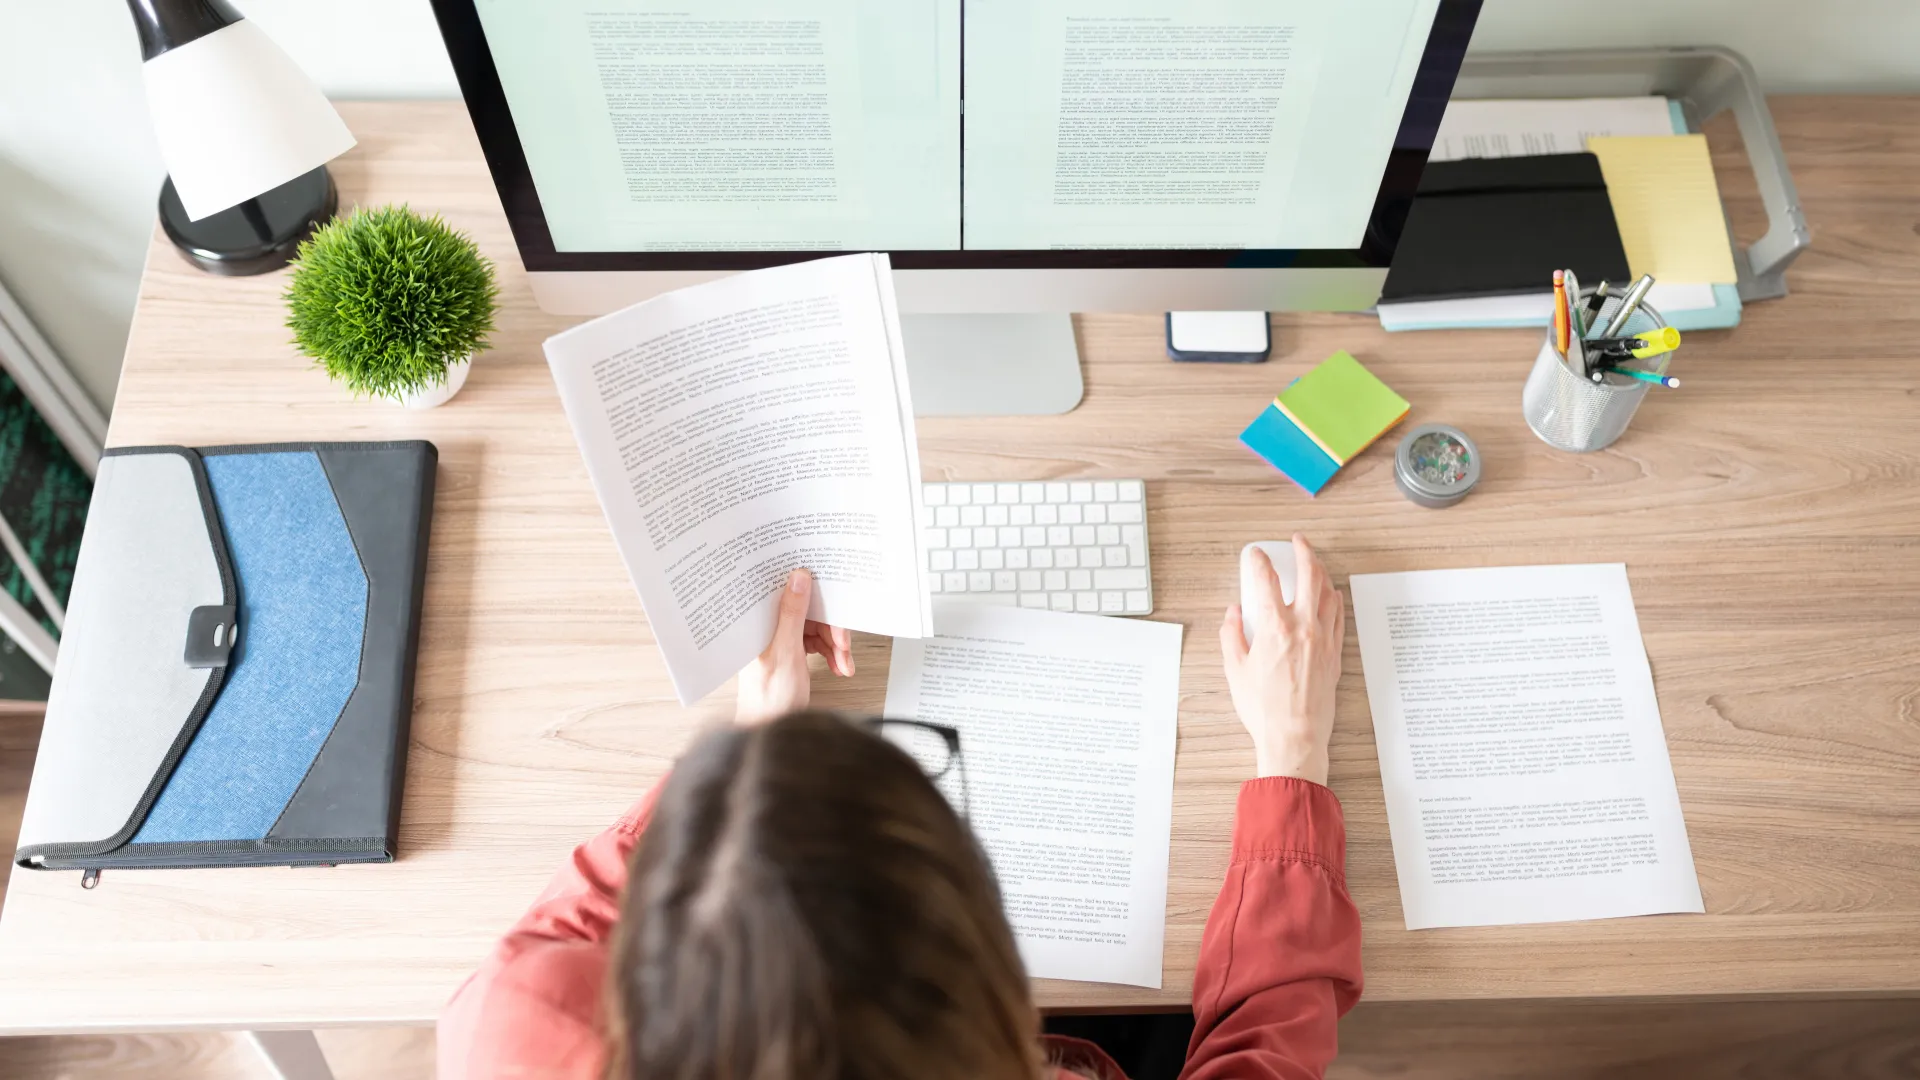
(1280, 553)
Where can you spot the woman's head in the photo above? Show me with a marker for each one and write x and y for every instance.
(805, 904)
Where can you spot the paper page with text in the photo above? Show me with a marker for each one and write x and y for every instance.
(1522, 127)
(1067, 727)
(1526, 772)
(748, 125)
(737, 430)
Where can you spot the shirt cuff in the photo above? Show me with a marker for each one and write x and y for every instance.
(1283, 818)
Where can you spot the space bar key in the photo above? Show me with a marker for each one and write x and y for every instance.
(1125, 577)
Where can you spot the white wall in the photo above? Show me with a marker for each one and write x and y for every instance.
(79, 171)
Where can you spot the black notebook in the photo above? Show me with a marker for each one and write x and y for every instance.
(1498, 226)
(235, 679)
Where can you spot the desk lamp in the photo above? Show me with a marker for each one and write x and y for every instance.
(245, 135)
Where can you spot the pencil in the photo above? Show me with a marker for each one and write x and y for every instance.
(1560, 311)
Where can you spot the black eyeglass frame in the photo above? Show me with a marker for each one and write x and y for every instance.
(948, 735)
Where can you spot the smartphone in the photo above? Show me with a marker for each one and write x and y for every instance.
(1231, 337)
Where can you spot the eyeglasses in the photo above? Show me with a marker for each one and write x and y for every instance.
(934, 747)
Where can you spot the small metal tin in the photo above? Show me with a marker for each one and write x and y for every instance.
(1436, 465)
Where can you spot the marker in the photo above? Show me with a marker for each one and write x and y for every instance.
(1639, 346)
(1628, 306)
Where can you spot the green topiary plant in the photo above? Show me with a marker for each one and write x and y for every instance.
(385, 300)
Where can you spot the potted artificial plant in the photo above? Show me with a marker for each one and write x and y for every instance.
(392, 304)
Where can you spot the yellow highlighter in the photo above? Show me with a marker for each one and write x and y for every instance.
(1639, 346)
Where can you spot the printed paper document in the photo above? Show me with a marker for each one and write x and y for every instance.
(1525, 768)
(738, 430)
(1498, 127)
(1067, 735)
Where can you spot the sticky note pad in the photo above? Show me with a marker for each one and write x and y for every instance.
(1341, 406)
(1287, 448)
(1667, 205)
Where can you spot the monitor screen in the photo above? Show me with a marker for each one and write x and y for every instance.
(671, 130)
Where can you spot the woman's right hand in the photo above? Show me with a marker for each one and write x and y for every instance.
(1283, 682)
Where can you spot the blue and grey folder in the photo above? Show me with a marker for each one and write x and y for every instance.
(235, 679)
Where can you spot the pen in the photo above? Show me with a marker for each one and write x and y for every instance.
(1577, 325)
(1644, 376)
(1628, 305)
(1597, 301)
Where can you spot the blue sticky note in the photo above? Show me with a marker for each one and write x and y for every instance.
(1287, 448)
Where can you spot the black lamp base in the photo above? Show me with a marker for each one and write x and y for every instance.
(258, 236)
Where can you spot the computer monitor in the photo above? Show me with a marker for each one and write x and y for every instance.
(1015, 158)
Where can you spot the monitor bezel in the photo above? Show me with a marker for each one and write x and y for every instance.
(486, 102)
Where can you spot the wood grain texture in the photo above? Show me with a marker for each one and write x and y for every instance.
(1769, 515)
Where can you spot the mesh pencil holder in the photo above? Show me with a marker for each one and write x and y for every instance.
(1579, 415)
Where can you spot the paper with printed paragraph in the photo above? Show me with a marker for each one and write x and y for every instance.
(1067, 736)
(1525, 768)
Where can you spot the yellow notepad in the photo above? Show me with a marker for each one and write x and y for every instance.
(1667, 205)
(1341, 406)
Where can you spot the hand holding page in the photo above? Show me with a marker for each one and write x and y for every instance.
(739, 430)
(1066, 738)
(1525, 769)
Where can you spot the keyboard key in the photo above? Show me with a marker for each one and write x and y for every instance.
(1112, 603)
(1056, 493)
(1079, 579)
(996, 515)
(1033, 536)
(1083, 535)
(933, 538)
(947, 516)
(1033, 493)
(973, 515)
(968, 559)
(1105, 491)
(1114, 556)
(1031, 581)
(982, 494)
(1059, 535)
(1080, 491)
(979, 581)
(1020, 514)
(1133, 534)
(1132, 491)
(1017, 559)
(1139, 603)
(942, 560)
(995, 559)
(1042, 558)
(933, 582)
(1033, 600)
(1004, 581)
(959, 494)
(1066, 558)
(959, 538)
(953, 582)
(933, 494)
(1095, 514)
(1128, 577)
(1087, 602)
(1061, 601)
(1054, 580)
(1006, 493)
(1090, 557)
(1009, 536)
(983, 537)
(1046, 514)
(1124, 513)
(1070, 514)
(1109, 534)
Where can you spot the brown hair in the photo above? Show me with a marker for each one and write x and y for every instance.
(805, 904)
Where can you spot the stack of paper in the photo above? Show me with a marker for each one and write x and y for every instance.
(1323, 421)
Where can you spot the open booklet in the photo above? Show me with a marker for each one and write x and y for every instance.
(738, 430)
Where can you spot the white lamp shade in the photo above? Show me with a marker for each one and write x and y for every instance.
(236, 117)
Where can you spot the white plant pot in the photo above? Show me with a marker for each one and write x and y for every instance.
(428, 397)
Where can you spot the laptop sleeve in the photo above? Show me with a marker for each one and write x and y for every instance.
(234, 684)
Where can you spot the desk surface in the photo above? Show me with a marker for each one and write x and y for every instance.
(1769, 516)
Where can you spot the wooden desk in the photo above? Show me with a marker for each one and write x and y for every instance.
(1769, 514)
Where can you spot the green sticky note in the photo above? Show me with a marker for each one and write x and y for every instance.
(1341, 406)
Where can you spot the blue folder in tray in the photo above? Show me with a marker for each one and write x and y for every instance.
(235, 679)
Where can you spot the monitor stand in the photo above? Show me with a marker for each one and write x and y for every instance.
(992, 365)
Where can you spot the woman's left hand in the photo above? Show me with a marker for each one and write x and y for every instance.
(777, 682)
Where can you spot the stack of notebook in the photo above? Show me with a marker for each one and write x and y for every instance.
(1323, 420)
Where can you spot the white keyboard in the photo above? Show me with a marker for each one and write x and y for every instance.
(1066, 545)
